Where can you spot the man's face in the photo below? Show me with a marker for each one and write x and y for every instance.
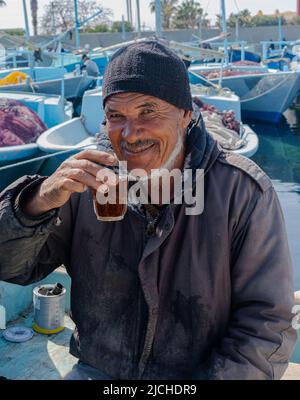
(145, 130)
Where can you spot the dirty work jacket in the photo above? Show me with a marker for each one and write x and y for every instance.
(206, 297)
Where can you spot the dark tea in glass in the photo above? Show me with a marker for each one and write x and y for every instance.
(110, 203)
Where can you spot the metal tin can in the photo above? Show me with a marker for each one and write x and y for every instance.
(49, 310)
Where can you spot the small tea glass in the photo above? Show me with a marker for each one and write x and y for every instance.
(111, 198)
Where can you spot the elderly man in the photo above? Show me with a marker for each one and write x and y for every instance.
(159, 294)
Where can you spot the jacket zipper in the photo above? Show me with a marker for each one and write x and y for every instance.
(150, 332)
(138, 332)
(151, 326)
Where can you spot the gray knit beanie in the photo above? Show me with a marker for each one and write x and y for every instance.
(149, 68)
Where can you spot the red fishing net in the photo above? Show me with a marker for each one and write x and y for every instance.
(18, 124)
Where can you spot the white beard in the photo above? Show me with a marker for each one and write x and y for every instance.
(170, 163)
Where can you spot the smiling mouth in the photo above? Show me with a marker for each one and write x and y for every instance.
(138, 149)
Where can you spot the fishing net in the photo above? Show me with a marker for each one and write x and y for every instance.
(215, 74)
(19, 125)
(222, 126)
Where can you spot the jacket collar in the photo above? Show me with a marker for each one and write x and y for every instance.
(201, 149)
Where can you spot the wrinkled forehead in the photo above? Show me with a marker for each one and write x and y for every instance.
(131, 100)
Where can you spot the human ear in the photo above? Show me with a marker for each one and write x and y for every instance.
(186, 119)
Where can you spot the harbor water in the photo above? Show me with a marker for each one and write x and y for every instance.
(279, 156)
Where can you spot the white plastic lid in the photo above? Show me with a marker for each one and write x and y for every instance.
(18, 334)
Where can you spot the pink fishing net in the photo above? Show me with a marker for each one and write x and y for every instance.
(18, 124)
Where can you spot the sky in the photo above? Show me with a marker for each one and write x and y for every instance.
(11, 16)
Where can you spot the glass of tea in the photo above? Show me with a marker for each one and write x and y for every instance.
(110, 200)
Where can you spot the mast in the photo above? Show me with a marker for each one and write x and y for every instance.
(26, 20)
(123, 28)
(237, 30)
(224, 26)
(127, 8)
(52, 18)
(138, 17)
(77, 39)
(200, 29)
(129, 11)
(280, 29)
(158, 18)
(27, 35)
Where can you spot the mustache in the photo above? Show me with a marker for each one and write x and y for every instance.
(138, 144)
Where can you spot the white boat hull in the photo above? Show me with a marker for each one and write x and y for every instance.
(252, 143)
(264, 96)
(269, 97)
(222, 103)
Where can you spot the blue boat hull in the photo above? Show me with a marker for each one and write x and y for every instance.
(236, 55)
(280, 62)
(10, 175)
(273, 117)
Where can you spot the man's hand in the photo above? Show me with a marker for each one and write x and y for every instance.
(74, 175)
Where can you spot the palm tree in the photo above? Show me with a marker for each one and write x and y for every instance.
(168, 8)
(2, 3)
(34, 11)
(219, 21)
(189, 14)
(246, 17)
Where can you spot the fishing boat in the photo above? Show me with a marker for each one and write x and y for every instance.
(280, 54)
(51, 110)
(69, 85)
(37, 74)
(264, 96)
(264, 93)
(238, 50)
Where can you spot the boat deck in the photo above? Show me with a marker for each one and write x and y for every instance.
(44, 357)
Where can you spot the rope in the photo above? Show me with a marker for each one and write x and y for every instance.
(116, 46)
(237, 7)
(200, 76)
(203, 53)
(266, 92)
(207, 5)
